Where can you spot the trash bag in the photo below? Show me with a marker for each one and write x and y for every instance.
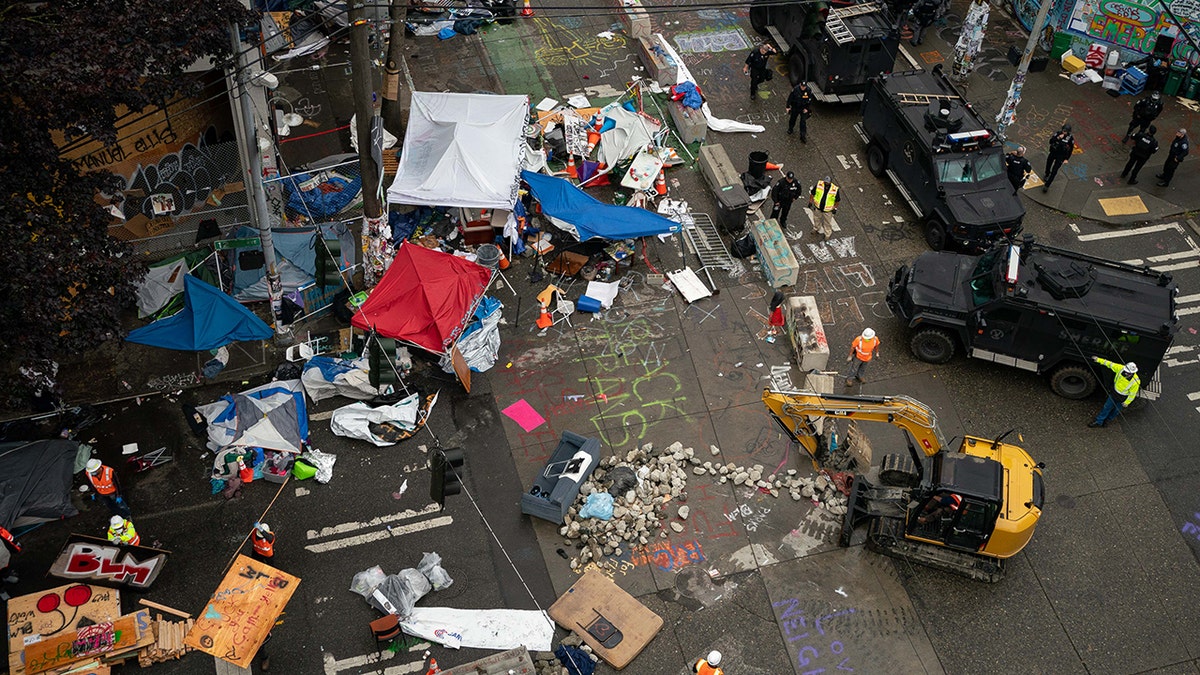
(598, 505)
(367, 580)
(431, 567)
(323, 461)
(623, 479)
(743, 247)
(402, 590)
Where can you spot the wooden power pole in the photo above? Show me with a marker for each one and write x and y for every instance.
(369, 126)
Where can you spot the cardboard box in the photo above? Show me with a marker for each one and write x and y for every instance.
(1072, 63)
(567, 263)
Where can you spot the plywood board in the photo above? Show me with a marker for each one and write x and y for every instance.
(40, 616)
(241, 612)
(1123, 206)
(93, 640)
(594, 600)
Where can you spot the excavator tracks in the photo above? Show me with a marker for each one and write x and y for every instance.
(886, 536)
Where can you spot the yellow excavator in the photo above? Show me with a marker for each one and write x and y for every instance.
(963, 511)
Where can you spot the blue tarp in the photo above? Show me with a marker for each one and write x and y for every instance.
(209, 319)
(591, 217)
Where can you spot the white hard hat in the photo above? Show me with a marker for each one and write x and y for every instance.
(1131, 367)
(116, 521)
(93, 465)
(868, 333)
(263, 527)
(714, 658)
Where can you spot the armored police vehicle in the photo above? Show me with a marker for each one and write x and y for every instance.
(949, 166)
(834, 46)
(1038, 308)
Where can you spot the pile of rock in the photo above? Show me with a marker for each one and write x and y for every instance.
(820, 488)
(546, 663)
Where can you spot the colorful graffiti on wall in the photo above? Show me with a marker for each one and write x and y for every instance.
(1135, 24)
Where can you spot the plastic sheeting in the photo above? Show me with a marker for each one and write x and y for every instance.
(35, 481)
(325, 377)
(591, 217)
(209, 319)
(461, 150)
(480, 342)
(630, 133)
(355, 420)
(714, 123)
(498, 629)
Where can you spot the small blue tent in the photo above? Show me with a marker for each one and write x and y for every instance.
(591, 217)
(209, 319)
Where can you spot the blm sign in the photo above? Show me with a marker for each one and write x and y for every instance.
(92, 560)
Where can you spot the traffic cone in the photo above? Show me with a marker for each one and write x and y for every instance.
(571, 171)
(526, 10)
(773, 167)
(593, 139)
(433, 666)
(544, 319)
(660, 184)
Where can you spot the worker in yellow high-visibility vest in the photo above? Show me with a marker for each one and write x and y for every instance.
(824, 199)
(1125, 388)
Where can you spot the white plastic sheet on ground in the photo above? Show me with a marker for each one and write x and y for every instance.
(349, 378)
(354, 420)
(498, 629)
(714, 123)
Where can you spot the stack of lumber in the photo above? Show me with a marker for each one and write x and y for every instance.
(168, 641)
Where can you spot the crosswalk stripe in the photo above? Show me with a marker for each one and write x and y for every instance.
(397, 531)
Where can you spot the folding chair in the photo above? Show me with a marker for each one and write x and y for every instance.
(563, 310)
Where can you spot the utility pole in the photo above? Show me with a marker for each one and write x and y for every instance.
(393, 106)
(1008, 112)
(248, 134)
(376, 246)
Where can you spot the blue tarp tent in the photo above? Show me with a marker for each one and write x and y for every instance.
(209, 319)
(592, 218)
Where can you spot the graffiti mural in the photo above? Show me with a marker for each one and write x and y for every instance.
(1134, 24)
(90, 559)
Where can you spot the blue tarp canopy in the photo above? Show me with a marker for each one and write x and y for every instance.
(590, 217)
(209, 319)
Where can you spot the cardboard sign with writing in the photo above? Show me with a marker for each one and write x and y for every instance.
(39, 617)
(93, 559)
(241, 612)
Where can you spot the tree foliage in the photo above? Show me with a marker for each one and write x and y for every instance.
(69, 66)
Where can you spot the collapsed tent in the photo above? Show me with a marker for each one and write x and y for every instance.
(628, 133)
(578, 212)
(271, 417)
(383, 425)
(425, 298)
(164, 281)
(325, 377)
(209, 319)
(35, 481)
(480, 342)
(461, 150)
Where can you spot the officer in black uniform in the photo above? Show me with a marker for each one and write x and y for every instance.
(799, 106)
(1144, 145)
(1062, 145)
(783, 194)
(1145, 111)
(1017, 167)
(757, 67)
(1175, 155)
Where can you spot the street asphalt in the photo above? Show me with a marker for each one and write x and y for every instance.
(1109, 584)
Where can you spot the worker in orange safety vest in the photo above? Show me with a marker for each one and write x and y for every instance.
(264, 542)
(862, 350)
(104, 481)
(709, 664)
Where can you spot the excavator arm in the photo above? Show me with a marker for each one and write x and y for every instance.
(796, 412)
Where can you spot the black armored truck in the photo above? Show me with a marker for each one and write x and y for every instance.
(1038, 308)
(949, 166)
(834, 46)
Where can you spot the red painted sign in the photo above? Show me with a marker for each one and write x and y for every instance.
(98, 561)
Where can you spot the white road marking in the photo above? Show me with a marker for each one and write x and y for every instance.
(397, 531)
(842, 159)
(1184, 355)
(374, 522)
(1194, 395)
(1074, 227)
(1149, 229)
(333, 666)
(854, 158)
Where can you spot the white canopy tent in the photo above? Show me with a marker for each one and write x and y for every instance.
(461, 150)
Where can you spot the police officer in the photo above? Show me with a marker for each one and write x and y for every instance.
(1018, 168)
(1145, 111)
(924, 16)
(1125, 384)
(1062, 145)
(824, 199)
(1175, 155)
(756, 67)
(783, 194)
(1144, 145)
(799, 106)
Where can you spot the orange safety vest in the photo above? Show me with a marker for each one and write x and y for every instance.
(102, 480)
(702, 668)
(10, 540)
(263, 545)
(865, 349)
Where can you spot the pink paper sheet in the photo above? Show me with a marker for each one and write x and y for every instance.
(523, 414)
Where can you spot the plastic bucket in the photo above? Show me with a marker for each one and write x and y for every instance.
(588, 304)
(488, 255)
(758, 164)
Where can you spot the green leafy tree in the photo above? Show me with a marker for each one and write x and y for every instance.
(69, 66)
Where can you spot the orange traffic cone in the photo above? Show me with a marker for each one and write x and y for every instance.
(773, 167)
(433, 667)
(660, 184)
(526, 10)
(597, 123)
(593, 139)
(571, 164)
(544, 319)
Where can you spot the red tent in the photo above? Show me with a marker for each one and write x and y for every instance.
(426, 298)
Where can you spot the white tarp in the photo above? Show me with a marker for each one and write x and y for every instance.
(355, 420)
(631, 133)
(714, 123)
(160, 285)
(498, 629)
(325, 377)
(461, 150)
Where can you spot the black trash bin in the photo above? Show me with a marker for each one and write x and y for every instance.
(758, 164)
(732, 202)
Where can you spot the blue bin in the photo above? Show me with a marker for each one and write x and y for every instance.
(588, 304)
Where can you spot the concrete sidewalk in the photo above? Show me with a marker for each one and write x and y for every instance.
(1089, 185)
